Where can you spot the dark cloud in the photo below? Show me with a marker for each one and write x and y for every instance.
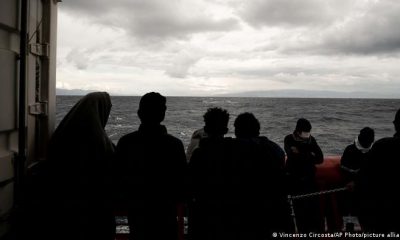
(293, 13)
(374, 32)
(369, 30)
(154, 19)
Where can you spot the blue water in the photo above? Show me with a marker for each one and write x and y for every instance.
(336, 122)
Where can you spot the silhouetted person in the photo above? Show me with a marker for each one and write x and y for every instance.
(258, 170)
(378, 183)
(75, 195)
(303, 153)
(194, 142)
(212, 211)
(353, 157)
(151, 164)
(355, 154)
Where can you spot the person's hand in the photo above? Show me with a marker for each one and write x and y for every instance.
(295, 150)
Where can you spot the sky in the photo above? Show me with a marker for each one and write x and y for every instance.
(216, 47)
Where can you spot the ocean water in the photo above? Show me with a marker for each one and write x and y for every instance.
(335, 122)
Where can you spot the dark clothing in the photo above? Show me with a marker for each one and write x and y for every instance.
(237, 189)
(302, 156)
(211, 211)
(351, 161)
(150, 168)
(75, 199)
(377, 184)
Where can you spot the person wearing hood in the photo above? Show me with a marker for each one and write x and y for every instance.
(150, 167)
(303, 153)
(77, 183)
(377, 184)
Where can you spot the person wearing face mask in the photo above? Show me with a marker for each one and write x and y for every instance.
(355, 154)
(352, 159)
(303, 153)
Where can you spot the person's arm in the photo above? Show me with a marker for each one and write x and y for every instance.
(345, 161)
(278, 154)
(291, 150)
(316, 153)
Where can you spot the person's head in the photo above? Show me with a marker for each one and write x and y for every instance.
(216, 121)
(396, 121)
(152, 108)
(86, 119)
(303, 128)
(100, 103)
(247, 126)
(366, 137)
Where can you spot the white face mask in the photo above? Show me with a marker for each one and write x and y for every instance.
(305, 135)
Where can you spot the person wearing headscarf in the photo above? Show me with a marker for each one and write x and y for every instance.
(303, 153)
(78, 182)
(377, 183)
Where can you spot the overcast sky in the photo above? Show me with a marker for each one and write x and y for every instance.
(211, 47)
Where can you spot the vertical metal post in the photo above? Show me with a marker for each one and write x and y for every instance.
(21, 157)
(292, 213)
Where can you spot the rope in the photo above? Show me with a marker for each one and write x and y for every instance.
(314, 194)
(308, 195)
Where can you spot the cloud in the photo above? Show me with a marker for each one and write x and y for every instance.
(182, 63)
(293, 13)
(218, 46)
(373, 32)
(79, 58)
(152, 19)
(369, 29)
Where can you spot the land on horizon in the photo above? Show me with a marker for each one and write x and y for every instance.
(284, 93)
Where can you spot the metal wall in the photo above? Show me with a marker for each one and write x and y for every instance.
(9, 49)
(39, 93)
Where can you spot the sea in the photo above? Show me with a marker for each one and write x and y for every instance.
(335, 122)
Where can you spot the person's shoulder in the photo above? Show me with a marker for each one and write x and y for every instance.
(384, 142)
(128, 137)
(288, 137)
(212, 142)
(172, 139)
(313, 139)
(265, 141)
(351, 147)
(199, 134)
(131, 135)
